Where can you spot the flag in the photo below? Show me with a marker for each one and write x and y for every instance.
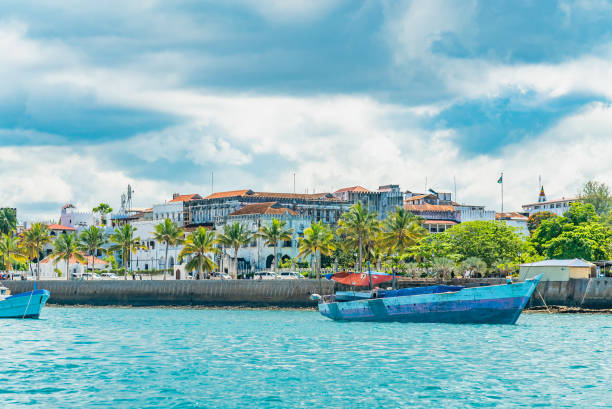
(501, 179)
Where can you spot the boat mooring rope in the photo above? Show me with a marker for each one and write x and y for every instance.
(544, 301)
(585, 292)
(26, 310)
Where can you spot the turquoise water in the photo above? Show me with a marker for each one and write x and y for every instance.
(175, 358)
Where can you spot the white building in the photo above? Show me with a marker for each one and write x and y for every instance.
(153, 256)
(174, 209)
(514, 219)
(50, 267)
(257, 255)
(441, 212)
(72, 218)
(557, 207)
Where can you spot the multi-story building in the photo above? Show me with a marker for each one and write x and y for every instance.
(386, 199)
(558, 206)
(314, 206)
(514, 219)
(440, 212)
(257, 255)
(174, 209)
(72, 218)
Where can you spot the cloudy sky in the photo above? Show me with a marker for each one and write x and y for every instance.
(159, 94)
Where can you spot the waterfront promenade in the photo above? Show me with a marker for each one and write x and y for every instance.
(583, 293)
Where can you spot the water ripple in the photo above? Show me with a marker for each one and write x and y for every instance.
(125, 358)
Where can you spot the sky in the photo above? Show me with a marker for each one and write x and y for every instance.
(425, 94)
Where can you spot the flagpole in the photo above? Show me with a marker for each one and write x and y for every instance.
(502, 187)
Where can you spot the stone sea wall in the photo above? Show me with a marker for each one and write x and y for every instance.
(584, 293)
(246, 293)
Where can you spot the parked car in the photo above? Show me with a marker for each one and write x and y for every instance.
(90, 276)
(109, 276)
(220, 276)
(290, 275)
(264, 275)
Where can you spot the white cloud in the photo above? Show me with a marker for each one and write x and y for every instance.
(330, 141)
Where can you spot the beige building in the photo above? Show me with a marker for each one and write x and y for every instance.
(557, 270)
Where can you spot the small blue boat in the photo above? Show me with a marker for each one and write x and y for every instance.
(23, 305)
(496, 304)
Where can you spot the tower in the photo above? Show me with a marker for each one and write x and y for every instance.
(542, 197)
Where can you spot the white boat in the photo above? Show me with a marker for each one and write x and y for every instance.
(22, 305)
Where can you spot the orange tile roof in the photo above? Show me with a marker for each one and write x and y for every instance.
(426, 207)
(417, 197)
(510, 215)
(358, 189)
(73, 260)
(60, 227)
(263, 208)
(185, 198)
(439, 222)
(229, 193)
(312, 196)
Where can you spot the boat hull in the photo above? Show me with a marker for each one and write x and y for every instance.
(24, 305)
(500, 304)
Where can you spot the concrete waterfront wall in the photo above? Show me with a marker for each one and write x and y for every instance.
(247, 293)
(587, 293)
(579, 292)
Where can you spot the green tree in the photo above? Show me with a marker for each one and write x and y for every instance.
(598, 195)
(8, 220)
(358, 225)
(169, 233)
(589, 241)
(234, 236)
(67, 247)
(474, 264)
(198, 245)
(33, 241)
(534, 221)
(444, 267)
(11, 251)
(103, 209)
(125, 242)
(401, 231)
(274, 233)
(488, 240)
(318, 240)
(581, 213)
(92, 241)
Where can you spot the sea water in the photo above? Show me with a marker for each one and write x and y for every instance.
(181, 358)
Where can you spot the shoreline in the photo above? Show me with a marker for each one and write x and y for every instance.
(554, 309)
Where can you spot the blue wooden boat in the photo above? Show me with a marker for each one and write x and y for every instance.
(496, 304)
(22, 305)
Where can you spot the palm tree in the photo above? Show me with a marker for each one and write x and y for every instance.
(33, 240)
(358, 224)
(169, 233)
(274, 233)
(103, 209)
(92, 240)
(235, 236)
(401, 231)
(197, 245)
(10, 250)
(67, 247)
(317, 240)
(8, 221)
(125, 242)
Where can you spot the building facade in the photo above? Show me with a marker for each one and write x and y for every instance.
(72, 218)
(314, 206)
(257, 255)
